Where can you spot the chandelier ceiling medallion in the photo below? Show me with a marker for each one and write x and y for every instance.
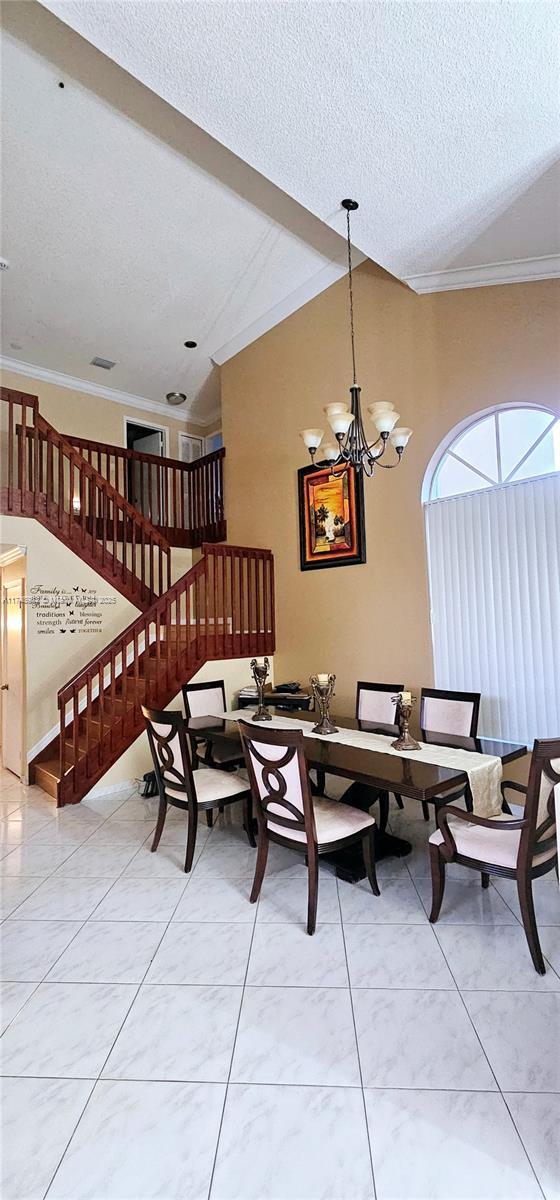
(352, 446)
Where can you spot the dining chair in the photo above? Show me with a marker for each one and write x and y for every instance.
(287, 813)
(374, 703)
(456, 713)
(181, 787)
(517, 848)
(201, 700)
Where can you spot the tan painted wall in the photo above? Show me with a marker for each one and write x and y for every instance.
(82, 415)
(52, 659)
(438, 358)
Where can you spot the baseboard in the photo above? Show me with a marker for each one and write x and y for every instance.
(126, 785)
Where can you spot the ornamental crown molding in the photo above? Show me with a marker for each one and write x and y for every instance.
(127, 399)
(518, 270)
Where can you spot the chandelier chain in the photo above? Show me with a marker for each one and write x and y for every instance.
(351, 294)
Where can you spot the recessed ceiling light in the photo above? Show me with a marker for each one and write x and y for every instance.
(175, 397)
(191, 345)
(105, 363)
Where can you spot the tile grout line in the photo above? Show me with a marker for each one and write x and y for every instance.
(369, 1140)
(499, 1090)
(228, 1080)
(117, 1035)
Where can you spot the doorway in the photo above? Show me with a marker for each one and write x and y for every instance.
(13, 667)
(190, 447)
(145, 479)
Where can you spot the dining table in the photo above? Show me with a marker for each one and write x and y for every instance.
(373, 772)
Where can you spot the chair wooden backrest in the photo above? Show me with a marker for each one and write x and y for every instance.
(169, 749)
(203, 699)
(279, 781)
(540, 834)
(442, 711)
(374, 704)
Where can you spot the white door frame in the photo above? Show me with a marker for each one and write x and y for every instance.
(191, 437)
(4, 634)
(164, 429)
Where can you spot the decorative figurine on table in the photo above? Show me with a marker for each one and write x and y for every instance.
(260, 674)
(322, 687)
(404, 702)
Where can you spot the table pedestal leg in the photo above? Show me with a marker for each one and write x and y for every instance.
(349, 863)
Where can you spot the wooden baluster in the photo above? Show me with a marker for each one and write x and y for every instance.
(260, 643)
(71, 497)
(124, 679)
(113, 671)
(133, 547)
(136, 669)
(76, 735)
(272, 642)
(60, 496)
(87, 714)
(115, 515)
(143, 560)
(36, 468)
(10, 455)
(50, 481)
(101, 706)
(62, 744)
(152, 589)
(22, 455)
(83, 505)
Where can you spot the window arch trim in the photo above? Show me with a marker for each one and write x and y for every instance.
(445, 445)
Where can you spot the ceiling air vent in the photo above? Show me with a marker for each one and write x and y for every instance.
(105, 363)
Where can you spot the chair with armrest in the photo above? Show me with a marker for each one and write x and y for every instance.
(201, 700)
(518, 848)
(455, 713)
(288, 814)
(181, 787)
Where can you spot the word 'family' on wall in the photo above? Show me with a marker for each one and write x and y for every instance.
(70, 611)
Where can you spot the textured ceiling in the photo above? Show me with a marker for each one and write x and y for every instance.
(129, 230)
(441, 118)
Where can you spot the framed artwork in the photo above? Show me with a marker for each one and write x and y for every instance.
(331, 517)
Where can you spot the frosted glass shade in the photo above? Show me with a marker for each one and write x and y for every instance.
(379, 406)
(339, 407)
(341, 422)
(330, 452)
(399, 437)
(312, 438)
(385, 420)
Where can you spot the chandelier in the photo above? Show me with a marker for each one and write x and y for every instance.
(352, 445)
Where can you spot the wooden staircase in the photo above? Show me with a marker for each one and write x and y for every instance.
(49, 480)
(222, 608)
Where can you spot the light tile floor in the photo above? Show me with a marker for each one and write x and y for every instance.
(164, 1038)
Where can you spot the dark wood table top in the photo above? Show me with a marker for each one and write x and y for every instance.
(408, 776)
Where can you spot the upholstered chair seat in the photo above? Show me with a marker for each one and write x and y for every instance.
(333, 821)
(287, 813)
(181, 787)
(521, 848)
(211, 787)
(204, 700)
(499, 846)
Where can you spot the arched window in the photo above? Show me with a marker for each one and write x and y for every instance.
(492, 509)
(508, 445)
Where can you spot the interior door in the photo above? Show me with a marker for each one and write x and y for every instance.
(190, 447)
(146, 477)
(13, 678)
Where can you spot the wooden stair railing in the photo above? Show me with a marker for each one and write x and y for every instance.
(47, 478)
(222, 608)
(184, 500)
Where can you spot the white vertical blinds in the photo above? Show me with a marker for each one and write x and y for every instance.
(494, 569)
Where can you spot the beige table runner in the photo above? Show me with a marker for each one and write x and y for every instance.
(484, 771)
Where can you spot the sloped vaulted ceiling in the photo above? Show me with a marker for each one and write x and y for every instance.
(443, 119)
